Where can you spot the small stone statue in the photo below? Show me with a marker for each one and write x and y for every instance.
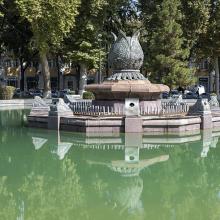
(59, 107)
(39, 102)
(214, 101)
(201, 107)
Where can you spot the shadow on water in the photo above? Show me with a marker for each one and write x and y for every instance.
(60, 175)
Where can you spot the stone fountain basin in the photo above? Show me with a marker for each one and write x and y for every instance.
(121, 89)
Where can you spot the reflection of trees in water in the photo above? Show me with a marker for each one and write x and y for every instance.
(119, 196)
(44, 196)
(7, 201)
(186, 187)
(49, 198)
(11, 118)
(10, 123)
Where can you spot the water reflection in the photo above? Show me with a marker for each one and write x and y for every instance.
(52, 175)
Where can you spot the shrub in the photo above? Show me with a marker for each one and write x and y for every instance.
(88, 95)
(6, 92)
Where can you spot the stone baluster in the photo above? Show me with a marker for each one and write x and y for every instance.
(112, 110)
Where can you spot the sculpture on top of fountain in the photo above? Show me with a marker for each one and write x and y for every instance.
(126, 57)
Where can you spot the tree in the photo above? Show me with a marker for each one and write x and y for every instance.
(82, 46)
(15, 36)
(50, 22)
(166, 56)
(195, 21)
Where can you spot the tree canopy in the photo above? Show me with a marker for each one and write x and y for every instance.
(172, 32)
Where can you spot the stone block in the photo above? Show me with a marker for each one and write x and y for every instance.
(133, 139)
(133, 125)
(53, 122)
(132, 154)
(132, 107)
(206, 121)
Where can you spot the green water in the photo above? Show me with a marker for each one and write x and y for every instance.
(46, 175)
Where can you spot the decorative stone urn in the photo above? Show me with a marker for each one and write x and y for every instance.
(126, 58)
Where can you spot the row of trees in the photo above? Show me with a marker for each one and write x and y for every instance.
(172, 33)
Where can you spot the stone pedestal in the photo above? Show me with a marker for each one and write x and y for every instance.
(133, 125)
(131, 154)
(122, 89)
(53, 122)
(202, 109)
(133, 139)
(57, 109)
(206, 121)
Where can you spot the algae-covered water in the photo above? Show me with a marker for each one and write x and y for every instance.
(46, 175)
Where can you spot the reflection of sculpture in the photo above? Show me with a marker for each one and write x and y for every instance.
(131, 169)
(38, 142)
(126, 195)
(62, 149)
(208, 142)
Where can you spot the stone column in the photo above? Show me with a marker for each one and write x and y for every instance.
(58, 108)
(133, 123)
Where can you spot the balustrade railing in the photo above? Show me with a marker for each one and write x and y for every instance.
(86, 108)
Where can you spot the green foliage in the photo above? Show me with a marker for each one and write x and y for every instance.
(7, 201)
(83, 44)
(209, 42)
(65, 192)
(196, 14)
(88, 95)
(6, 92)
(50, 20)
(167, 56)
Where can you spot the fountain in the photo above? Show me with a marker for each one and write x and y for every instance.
(126, 58)
(125, 102)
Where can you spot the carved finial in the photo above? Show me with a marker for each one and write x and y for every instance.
(136, 34)
(114, 35)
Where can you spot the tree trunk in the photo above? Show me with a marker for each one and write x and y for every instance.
(46, 75)
(217, 76)
(83, 78)
(58, 73)
(22, 70)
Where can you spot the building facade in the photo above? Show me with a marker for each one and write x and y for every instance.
(66, 77)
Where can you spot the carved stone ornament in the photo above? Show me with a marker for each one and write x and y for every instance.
(214, 101)
(200, 107)
(126, 58)
(59, 107)
(39, 102)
